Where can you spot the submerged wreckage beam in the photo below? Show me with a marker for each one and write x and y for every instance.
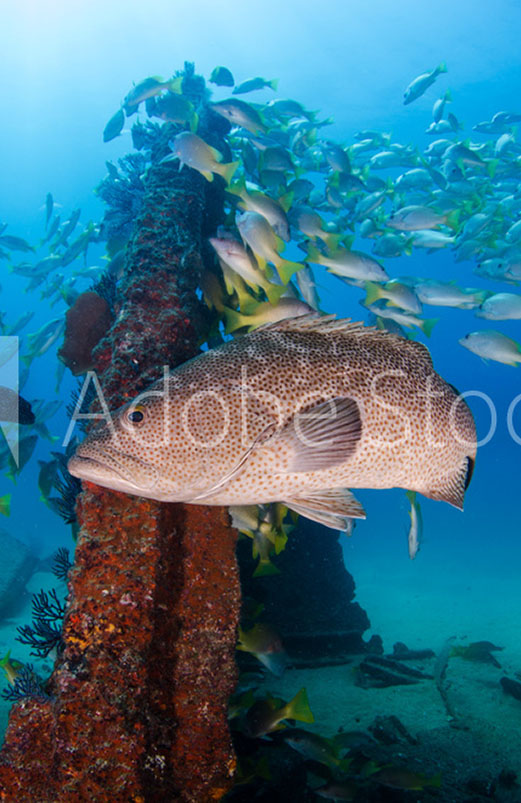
(138, 699)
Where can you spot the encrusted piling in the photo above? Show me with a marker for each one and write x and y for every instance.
(138, 705)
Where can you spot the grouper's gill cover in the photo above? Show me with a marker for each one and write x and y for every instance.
(295, 412)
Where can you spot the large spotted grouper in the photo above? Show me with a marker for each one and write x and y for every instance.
(294, 412)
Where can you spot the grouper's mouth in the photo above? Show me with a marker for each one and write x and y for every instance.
(110, 473)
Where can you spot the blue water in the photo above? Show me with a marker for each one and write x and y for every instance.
(66, 67)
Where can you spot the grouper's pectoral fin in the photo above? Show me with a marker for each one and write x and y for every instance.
(321, 436)
(332, 507)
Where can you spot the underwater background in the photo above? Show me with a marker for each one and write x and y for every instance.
(65, 69)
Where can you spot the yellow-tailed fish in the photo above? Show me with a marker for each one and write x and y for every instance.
(349, 264)
(492, 345)
(263, 313)
(268, 715)
(259, 235)
(11, 667)
(265, 644)
(239, 113)
(233, 254)
(194, 152)
(404, 318)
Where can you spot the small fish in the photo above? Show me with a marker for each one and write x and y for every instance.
(420, 84)
(428, 238)
(174, 108)
(402, 778)
(233, 254)
(513, 233)
(478, 651)
(395, 293)
(311, 224)
(336, 157)
(5, 509)
(47, 477)
(300, 189)
(263, 524)
(264, 313)
(266, 716)
(300, 433)
(11, 667)
(370, 229)
(501, 307)
(194, 152)
(415, 534)
(349, 264)
(392, 245)
(271, 209)
(79, 246)
(26, 447)
(15, 243)
(504, 144)
(255, 83)
(492, 345)
(49, 205)
(404, 318)
(457, 152)
(385, 159)
(43, 339)
(259, 235)
(507, 118)
(282, 107)
(53, 228)
(369, 203)
(307, 286)
(68, 227)
(313, 746)
(263, 642)
(339, 790)
(221, 76)
(148, 88)
(241, 114)
(439, 106)
(276, 159)
(413, 218)
(417, 178)
(114, 126)
(448, 294)
(14, 408)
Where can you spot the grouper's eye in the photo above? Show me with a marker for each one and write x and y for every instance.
(134, 416)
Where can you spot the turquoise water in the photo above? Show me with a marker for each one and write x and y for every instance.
(65, 69)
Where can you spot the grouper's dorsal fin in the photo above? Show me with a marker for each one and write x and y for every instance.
(327, 324)
(313, 322)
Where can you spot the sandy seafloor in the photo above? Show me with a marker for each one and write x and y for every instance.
(421, 604)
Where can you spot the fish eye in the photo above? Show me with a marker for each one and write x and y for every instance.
(135, 415)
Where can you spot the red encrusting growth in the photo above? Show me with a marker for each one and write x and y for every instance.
(87, 321)
(138, 708)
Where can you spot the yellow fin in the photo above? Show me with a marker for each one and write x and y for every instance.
(298, 708)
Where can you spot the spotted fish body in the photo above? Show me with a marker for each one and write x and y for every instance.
(295, 412)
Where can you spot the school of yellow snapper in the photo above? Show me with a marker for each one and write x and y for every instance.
(290, 185)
